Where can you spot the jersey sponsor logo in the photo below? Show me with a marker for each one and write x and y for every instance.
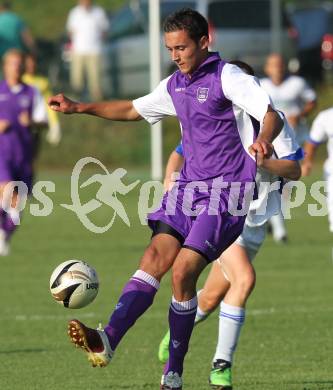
(202, 94)
(176, 344)
(180, 89)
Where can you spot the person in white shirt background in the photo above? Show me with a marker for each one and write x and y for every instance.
(87, 25)
(321, 131)
(296, 99)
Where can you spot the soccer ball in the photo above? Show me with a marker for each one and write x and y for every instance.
(74, 284)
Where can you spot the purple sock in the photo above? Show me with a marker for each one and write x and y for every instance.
(8, 224)
(136, 298)
(181, 322)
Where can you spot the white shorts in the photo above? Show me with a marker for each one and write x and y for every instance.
(251, 239)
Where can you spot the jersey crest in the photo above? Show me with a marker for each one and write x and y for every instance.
(202, 94)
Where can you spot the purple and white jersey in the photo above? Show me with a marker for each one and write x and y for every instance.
(220, 109)
(268, 202)
(19, 105)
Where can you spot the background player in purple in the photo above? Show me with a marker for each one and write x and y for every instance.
(20, 107)
(219, 108)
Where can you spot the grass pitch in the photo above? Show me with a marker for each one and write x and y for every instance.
(286, 343)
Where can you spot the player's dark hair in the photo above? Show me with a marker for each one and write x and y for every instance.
(188, 20)
(244, 66)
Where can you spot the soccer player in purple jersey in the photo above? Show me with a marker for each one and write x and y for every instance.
(285, 164)
(21, 106)
(214, 102)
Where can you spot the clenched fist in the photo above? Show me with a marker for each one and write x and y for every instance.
(63, 104)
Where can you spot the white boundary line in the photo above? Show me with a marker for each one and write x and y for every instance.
(249, 312)
(45, 317)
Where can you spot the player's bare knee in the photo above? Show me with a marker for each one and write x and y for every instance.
(246, 283)
(181, 277)
(178, 277)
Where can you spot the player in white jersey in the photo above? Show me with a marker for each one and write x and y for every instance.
(245, 248)
(292, 95)
(322, 131)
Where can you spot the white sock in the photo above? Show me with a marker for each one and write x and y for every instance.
(278, 227)
(230, 324)
(201, 315)
(14, 215)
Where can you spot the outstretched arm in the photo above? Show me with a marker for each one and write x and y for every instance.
(117, 110)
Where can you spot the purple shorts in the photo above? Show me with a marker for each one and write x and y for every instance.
(210, 231)
(14, 166)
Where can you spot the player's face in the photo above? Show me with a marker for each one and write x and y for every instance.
(85, 3)
(275, 67)
(13, 67)
(184, 51)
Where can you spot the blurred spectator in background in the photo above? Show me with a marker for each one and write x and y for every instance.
(21, 107)
(87, 25)
(292, 95)
(322, 131)
(31, 77)
(14, 34)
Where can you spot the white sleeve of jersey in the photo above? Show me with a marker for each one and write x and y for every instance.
(244, 91)
(156, 105)
(39, 108)
(285, 143)
(318, 132)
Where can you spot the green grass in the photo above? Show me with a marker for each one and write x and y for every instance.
(112, 142)
(286, 342)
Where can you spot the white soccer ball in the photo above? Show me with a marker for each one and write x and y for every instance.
(74, 284)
